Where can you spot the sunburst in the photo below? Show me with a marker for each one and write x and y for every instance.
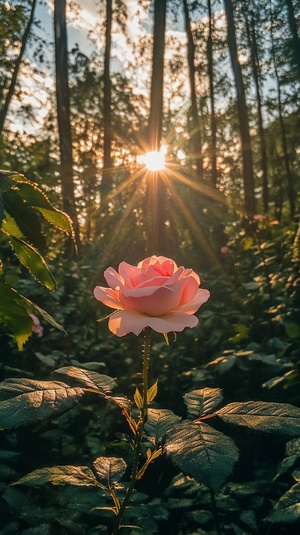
(155, 168)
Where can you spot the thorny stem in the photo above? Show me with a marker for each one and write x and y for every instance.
(139, 434)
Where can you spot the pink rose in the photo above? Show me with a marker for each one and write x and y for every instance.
(155, 293)
(225, 249)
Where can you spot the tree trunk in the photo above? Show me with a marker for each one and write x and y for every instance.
(251, 36)
(213, 124)
(4, 110)
(63, 113)
(156, 98)
(294, 32)
(156, 191)
(290, 187)
(107, 160)
(194, 122)
(248, 177)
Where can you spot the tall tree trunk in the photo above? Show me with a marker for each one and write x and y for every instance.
(63, 113)
(290, 187)
(107, 160)
(194, 122)
(156, 192)
(294, 32)
(213, 123)
(248, 175)
(156, 98)
(251, 36)
(4, 110)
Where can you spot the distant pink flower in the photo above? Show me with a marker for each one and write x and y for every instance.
(36, 327)
(275, 222)
(155, 293)
(258, 217)
(75, 276)
(225, 249)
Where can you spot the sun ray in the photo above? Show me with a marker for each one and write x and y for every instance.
(115, 237)
(199, 186)
(191, 220)
(123, 186)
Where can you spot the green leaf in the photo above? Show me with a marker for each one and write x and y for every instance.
(138, 399)
(14, 313)
(287, 509)
(280, 418)
(32, 260)
(34, 196)
(202, 402)
(81, 476)
(88, 379)
(292, 330)
(159, 422)
(109, 469)
(27, 401)
(152, 392)
(25, 217)
(202, 453)
(10, 227)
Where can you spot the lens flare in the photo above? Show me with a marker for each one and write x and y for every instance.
(154, 160)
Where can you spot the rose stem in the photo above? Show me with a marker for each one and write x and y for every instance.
(139, 435)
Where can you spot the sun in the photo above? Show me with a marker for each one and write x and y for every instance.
(154, 160)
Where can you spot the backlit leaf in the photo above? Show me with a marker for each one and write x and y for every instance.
(26, 401)
(26, 218)
(159, 422)
(202, 402)
(202, 453)
(80, 476)
(152, 392)
(138, 400)
(88, 379)
(34, 196)
(32, 260)
(14, 313)
(109, 469)
(280, 418)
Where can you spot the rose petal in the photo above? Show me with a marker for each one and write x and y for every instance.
(168, 265)
(189, 290)
(153, 301)
(108, 297)
(131, 274)
(113, 279)
(130, 321)
(201, 297)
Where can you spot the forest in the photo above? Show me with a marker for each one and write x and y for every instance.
(149, 267)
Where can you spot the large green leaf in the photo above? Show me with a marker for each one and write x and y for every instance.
(280, 418)
(287, 509)
(88, 379)
(159, 421)
(201, 452)
(25, 218)
(81, 476)
(32, 260)
(14, 313)
(26, 401)
(10, 227)
(109, 469)
(38, 200)
(202, 402)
